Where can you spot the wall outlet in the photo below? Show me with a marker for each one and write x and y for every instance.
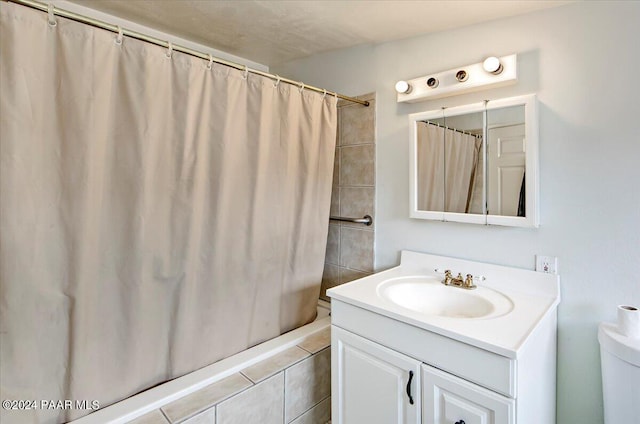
(547, 264)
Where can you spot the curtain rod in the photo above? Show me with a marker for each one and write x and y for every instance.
(115, 28)
(452, 129)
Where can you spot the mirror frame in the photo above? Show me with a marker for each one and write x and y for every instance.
(532, 215)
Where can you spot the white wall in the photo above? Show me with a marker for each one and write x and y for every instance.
(583, 61)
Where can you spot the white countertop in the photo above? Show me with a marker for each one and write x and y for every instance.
(534, 296)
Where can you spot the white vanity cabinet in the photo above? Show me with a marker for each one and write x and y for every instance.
(449, 399)
(373, 384)
(391, 364)
(380, 366)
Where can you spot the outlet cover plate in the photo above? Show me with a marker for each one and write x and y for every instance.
(547, 264)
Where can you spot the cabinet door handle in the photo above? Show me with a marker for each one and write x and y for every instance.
(409, 388)
(460, 422)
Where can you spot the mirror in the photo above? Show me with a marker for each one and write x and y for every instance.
(506, 154)
(476, 163)
(449, 150)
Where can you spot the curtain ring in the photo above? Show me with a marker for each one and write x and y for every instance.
(119, 36)
(210, 64)
(324, 93)
(301, 87)
(52, 18)
(275, 84)
(169, 53)
(245, 73)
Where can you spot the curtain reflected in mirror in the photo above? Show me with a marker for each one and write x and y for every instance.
(462, 154)
(450, 165)
(431, 162)
(476, 163)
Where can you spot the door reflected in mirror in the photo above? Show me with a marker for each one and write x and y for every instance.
(476, 163)
(506, 161)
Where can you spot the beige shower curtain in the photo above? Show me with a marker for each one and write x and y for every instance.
(430, 166)
(447, 165)
(156, 215)
(461, 159)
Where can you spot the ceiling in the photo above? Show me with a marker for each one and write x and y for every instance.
(274, 31)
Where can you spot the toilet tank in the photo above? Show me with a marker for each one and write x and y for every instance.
(620, 359)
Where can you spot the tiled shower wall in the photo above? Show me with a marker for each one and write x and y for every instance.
(350, 246)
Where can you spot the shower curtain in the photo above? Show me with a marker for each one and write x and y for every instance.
(157, 213)
(430, 166)
(461, 160)
(447, 168)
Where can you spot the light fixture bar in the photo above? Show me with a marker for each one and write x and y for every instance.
(463, 79)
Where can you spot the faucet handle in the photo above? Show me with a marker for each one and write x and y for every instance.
(468, 282)
(445, 272)
(447, 276)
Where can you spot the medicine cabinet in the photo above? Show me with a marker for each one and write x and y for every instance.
(476, 163)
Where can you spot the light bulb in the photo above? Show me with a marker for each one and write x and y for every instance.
(432, 82)
(462, 75)
(492, 65)
(403, 87)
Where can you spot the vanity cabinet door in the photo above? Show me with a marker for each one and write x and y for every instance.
(371, 383)
(451, 400)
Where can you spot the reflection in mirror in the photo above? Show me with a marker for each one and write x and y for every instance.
(506, 161)
(476, 163)
(430, 164)
(463, 168)
(449, 164)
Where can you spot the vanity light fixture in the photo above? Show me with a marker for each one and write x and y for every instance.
(462, 75)
(403, 87)
(492, 65)
(491, 72)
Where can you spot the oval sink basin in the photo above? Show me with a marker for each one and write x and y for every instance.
(427, 295)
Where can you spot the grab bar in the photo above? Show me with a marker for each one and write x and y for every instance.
(366, 220)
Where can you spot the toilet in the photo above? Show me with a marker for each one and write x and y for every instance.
(620, 358)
